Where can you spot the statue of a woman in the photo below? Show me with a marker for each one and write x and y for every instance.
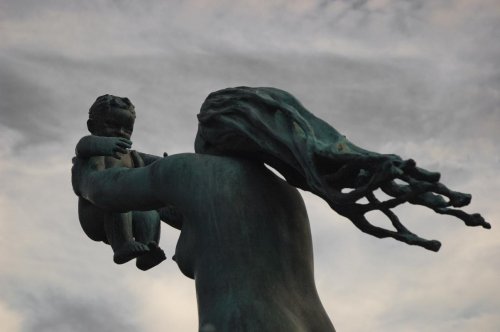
(245, 235)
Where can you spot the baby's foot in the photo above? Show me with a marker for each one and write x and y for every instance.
(154, 257)
(129, 250)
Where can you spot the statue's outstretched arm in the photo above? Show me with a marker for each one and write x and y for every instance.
(271, 126)
(168, 214)
(117, 189)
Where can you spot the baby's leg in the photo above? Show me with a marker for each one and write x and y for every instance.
(146, 226)
(119, 231)
(92, 220)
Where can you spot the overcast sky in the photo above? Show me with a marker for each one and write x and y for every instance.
(417, 78)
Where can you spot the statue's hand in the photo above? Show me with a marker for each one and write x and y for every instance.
(113, 146)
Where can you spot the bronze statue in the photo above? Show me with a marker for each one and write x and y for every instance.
(245, 236)
(131, 234)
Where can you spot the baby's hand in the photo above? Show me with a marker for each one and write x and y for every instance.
(114, 146)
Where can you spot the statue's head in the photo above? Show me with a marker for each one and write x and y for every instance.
(111, 116)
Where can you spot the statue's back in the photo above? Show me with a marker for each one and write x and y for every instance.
(246, 241)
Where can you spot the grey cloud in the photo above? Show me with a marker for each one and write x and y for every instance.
(25, 104)
(396, 17)
(53, 311)
(23, 9)
(26, 9)
(409, 97)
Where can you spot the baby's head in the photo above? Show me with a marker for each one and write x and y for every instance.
(111, 116)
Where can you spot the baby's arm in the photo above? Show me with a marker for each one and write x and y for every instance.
(92, 145)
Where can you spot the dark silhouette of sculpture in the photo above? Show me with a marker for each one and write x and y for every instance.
(270, 125)
(132, 234)
(245, 235)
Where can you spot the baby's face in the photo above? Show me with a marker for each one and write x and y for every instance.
(117, 122)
